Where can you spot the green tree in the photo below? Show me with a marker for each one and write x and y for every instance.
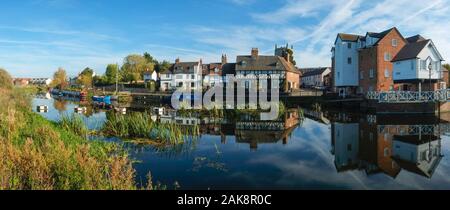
(291, 56)
(447, 66)
(150, 58)
(111, 73)
(60, 79)
(162, 66)
(134, 66)
(85, 78)
(6, 81)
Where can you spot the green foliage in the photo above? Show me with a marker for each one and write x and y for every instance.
(60, 80)
(140, 125)
(74, 124)
(134, 67)
(291, 56)
(111, 74)
(41, 155)
(5, 79)
(162, 66)
(446, 66)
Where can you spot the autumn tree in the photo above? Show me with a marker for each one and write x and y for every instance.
(134, 66)
(86, 77)
(60, 79)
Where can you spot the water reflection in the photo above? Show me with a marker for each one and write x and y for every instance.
(382, 144)
(303, 149)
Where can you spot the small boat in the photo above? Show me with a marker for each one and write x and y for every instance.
(79, 110)
(42, 109)
(159, 110)
(102, 99)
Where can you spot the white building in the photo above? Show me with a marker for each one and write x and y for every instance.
(345, 63)
(40, 81)
(315, 77)
(412, 63)
(345, 145)
(150, 76)
(417, 154)
(182, 75)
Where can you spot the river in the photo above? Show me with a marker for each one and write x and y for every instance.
(324, 150)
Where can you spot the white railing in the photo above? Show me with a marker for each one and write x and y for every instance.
(406, 130)
(409, 96)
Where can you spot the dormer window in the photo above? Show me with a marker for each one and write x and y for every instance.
(244, 63)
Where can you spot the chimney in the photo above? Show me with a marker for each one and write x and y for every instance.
(255, 53)
(177, 61)
(287, 57)
(224, 59)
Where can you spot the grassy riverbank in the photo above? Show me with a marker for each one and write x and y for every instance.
(38, 154)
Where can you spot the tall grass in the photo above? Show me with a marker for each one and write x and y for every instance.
(140, 125)
(36, 154)
(75, 124)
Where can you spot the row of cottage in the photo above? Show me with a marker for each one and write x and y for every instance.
(196, 75)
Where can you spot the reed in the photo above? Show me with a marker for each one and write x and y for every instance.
(139, 125)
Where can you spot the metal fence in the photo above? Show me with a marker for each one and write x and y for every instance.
(409, 96)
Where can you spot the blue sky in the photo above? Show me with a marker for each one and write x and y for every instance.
(38, 36)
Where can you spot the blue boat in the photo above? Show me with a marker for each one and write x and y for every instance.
(102, 99)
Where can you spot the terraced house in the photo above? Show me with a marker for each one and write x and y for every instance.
(384, 61)
(182, 75)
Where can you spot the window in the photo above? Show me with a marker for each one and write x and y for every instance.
(192, 84)
(371, 73)
(387, 56)
(423, 64)
(349, 45)
(193, 76)
(349, 147)
(386, 152)
(339, 75)
(394, 42)
(412, 64)
(349, 60)
(361, 75)
(386, 73)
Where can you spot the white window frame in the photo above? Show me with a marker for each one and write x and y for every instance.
(394, 43)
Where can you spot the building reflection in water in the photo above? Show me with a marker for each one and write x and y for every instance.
(247, 129)
(384, 144)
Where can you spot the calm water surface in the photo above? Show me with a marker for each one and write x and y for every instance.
(326, 150)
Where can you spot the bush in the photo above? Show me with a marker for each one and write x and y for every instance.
(5, 80)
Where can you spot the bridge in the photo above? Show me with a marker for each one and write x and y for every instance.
(409, 96)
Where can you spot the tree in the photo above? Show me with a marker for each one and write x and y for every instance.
(447, 66)
(6, 81)
(86, 77)
(291, 56)
(134, 66)
(162, 66)
(60, 79)
(111, 73)
(150, 58)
